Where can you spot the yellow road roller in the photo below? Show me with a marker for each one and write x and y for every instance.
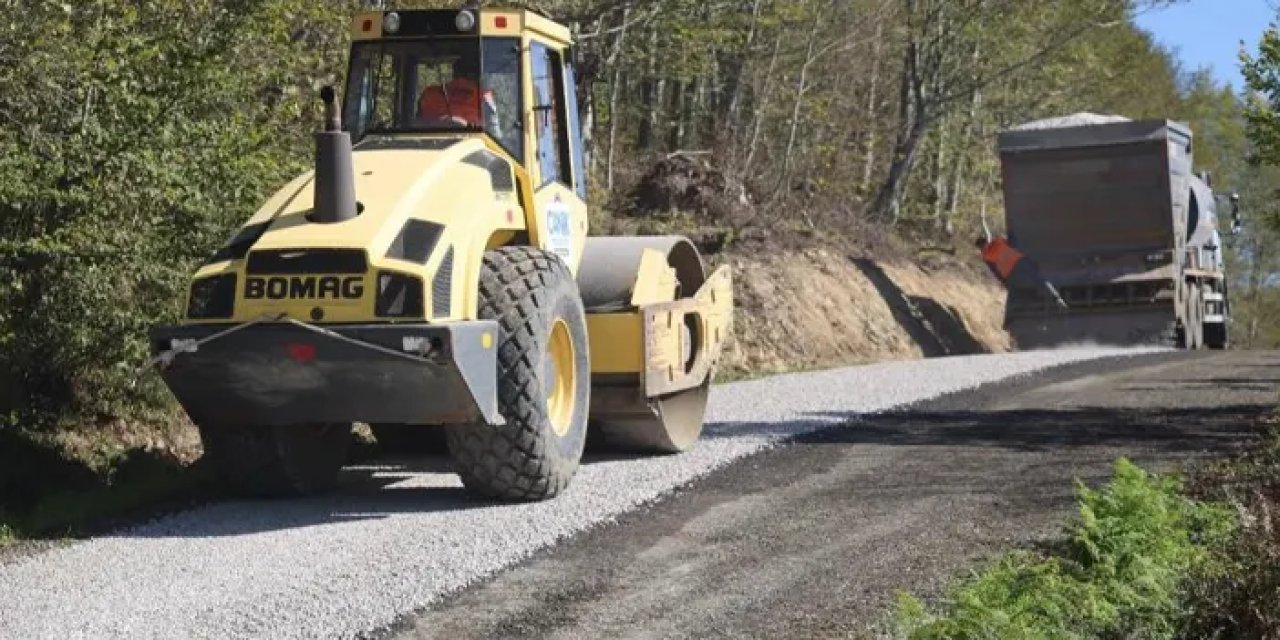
(434, 271)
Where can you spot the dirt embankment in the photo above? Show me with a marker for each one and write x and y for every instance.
(820, 307)
(816, 295)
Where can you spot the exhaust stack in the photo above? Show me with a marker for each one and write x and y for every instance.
(335, 192)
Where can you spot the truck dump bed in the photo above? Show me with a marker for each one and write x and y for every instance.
(1101, 208)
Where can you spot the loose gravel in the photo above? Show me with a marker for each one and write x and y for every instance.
(397, 539)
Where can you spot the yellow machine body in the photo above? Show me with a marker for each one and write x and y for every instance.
(404, 272)
(394, 187)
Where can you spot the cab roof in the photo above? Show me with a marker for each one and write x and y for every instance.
(490, 21)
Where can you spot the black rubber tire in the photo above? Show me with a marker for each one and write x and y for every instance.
(526, 290)
(277, 462)
(410, 439)
(1197, 306)
(1191, 331)
(1215, 335)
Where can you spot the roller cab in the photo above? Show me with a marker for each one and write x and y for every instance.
(433, 274)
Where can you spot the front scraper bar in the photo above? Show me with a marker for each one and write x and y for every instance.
(290, 372)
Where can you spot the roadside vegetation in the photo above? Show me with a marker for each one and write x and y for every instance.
(1243, 600)
(1124, 571)
(1159, 556)
(1193, 556)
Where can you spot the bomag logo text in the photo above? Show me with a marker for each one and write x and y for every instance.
(304, 288)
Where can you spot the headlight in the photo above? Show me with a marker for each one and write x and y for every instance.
(399, 296)
(212, 297)
(465, 21)
(391, 23)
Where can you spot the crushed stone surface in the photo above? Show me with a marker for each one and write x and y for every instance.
(398, 537)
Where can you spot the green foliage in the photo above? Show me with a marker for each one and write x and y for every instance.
(1262, 77)
(1216, 117)
(134, 137)
(1255, 258)
(136, 134)
(1122, 574)
(1243, 601)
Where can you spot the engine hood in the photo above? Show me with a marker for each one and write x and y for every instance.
(392, 179)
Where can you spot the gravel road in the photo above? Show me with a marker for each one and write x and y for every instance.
(813, 540)
(399, 537)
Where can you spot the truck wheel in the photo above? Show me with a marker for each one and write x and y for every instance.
(1215, 335)
(274, 462)
(1191, 333)
(543, 380)
(409, 439)
(1197, 319)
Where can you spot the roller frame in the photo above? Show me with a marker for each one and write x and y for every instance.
(659, 408)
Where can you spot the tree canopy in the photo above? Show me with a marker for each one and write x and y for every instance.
(136, 134)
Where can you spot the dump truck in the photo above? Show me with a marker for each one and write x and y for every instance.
(1110, 210)
(434, 271)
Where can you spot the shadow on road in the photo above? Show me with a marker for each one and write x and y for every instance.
(367, 491)
(1172, 430)
(379, 487)
(1165, 430)
(391, 486)
(375, 488)
(936, 329)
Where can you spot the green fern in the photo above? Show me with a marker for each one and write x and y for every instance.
(1135, 543)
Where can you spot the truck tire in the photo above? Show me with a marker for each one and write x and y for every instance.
(543, 380)
(409, 439)
(1191, 333)
(1197, 318)
(1215, 335)
(277, 462)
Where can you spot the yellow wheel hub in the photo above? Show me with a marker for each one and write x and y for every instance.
(562, 377)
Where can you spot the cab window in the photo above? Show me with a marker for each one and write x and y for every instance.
(438, 85)
(550, 115)
(501, 63)
(575, 133)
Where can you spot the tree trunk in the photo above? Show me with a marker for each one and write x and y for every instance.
(912, 125)
(869, 118)
(615, 87)
(761, 105)
(651, 96)
(958, 166)
(734, 110)
(888, 200)
(940, 177)
(802, 83)
(1257, 258)
(675, 130)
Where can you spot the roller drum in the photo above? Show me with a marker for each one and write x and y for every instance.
(622, 418)
(609, 266)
